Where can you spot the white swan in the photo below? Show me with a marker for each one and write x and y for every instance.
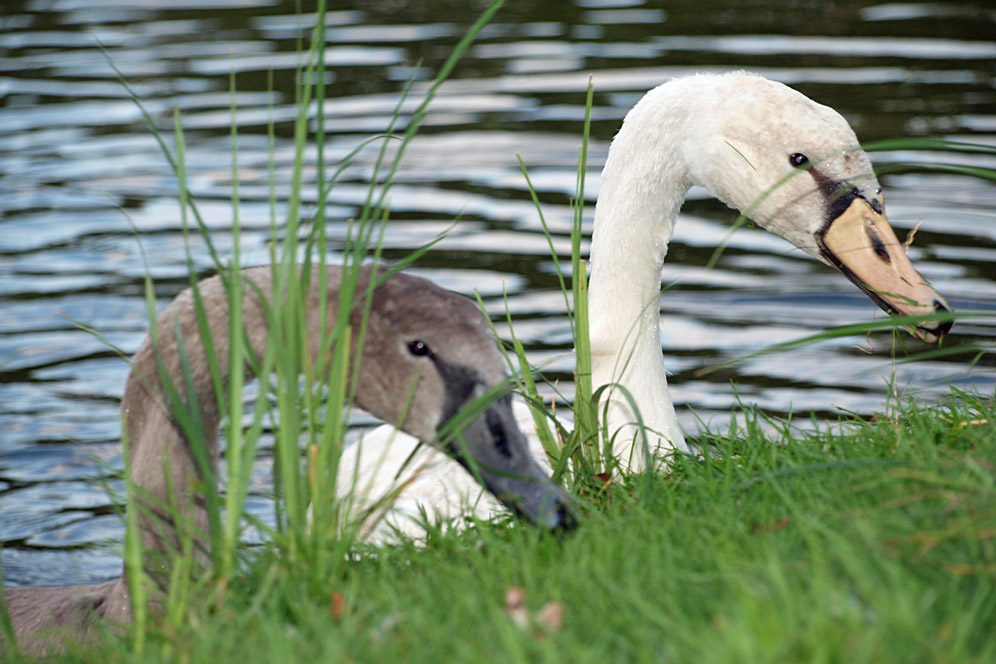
(794, 166)
(416, 332)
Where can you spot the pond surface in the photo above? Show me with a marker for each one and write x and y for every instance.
(85, 191)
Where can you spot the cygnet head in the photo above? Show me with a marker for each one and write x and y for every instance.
(795, 167)
(436, 350)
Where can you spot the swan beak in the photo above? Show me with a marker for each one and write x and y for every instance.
(495, 451)
(861, 244)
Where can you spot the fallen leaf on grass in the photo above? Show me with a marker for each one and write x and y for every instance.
(604, 478)
(551, 616)
(547, 620)
(770, 527)
(337, 605)
(515, 606)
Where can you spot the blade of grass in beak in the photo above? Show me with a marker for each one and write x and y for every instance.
(849, 330)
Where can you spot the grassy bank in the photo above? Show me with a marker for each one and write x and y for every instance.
(873, 542)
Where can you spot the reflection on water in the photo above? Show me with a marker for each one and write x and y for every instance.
(84, 191)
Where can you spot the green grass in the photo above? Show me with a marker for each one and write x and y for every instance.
(871, 542)
(865, 542)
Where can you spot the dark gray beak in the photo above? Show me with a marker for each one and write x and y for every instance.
(493, 449)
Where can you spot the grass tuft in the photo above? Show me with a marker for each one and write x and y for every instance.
(862, 542)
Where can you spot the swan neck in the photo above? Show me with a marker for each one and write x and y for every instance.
(644, 183)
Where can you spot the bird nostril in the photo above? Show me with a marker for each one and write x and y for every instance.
(943, 327)
(878, 246)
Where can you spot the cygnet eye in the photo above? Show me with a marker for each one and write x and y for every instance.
(418, 348)
(798, 159)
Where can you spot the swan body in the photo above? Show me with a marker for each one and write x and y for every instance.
(386, 459)
(417, 334)
(793, 166)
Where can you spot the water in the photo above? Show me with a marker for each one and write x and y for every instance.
(85, 190)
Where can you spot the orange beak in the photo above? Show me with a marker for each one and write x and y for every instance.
(861, 244)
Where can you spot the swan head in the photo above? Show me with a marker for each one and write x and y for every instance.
(431, 366)
(795, 167)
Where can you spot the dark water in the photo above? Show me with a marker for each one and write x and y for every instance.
(85, 190)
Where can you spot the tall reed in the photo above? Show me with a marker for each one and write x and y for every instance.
(306, 398)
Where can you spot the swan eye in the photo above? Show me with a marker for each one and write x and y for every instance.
(418, 348)
(798, 159)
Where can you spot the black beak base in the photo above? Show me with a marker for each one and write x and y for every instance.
(493, 449)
